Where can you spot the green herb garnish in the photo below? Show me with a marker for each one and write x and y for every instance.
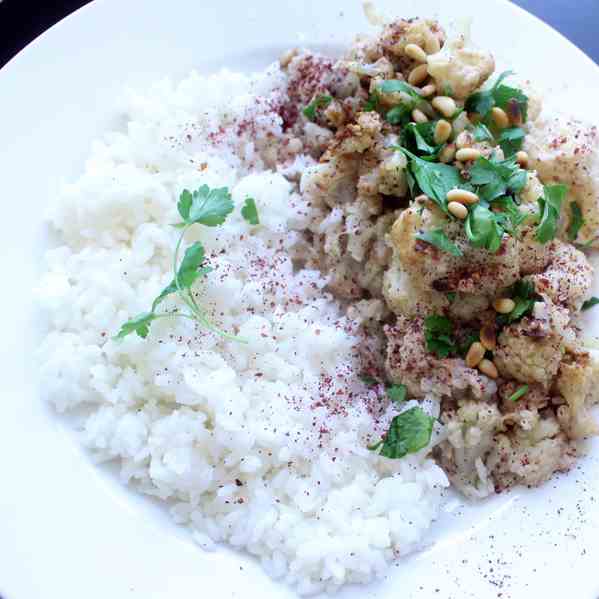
(524, 296)
(520, 392)
(576, 221)
(500, 95)
(205, 206)
(467, 340)
(451, 296)
(434, 179)
(495, 178)
(400, 114)
(588, 304)
(420, 137)
(482, 229)
(481, 133)
(408, 432)
(550, 206)
(397, 393)
(320, 101)
(440, 240)
(438, 331)
(511, 140)
(250, 211)
(368, 380)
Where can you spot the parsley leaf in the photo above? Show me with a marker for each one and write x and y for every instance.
(410, 98)
(205, 206)
(140, 324)
(511, 140)
(434, 179)
(368, 380)
(494, 178)
(482, 229)
(189, 272)
(524, 296)
(588, 304)
(408, 432)
(482, 101)
(550, 206)
(438, 332)
(320, 101)
(451, 295)
(468, 338)
(520, 392)
(420, 136)
(397, 393)
(481, 133)
(511, 217)
(576, 221)
(250, 212)
(391, 86)
(438, 238)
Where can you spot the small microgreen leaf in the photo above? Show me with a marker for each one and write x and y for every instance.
(439, 239)
(576, 221)
(250, 212)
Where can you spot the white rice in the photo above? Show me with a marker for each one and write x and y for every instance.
(256, 445)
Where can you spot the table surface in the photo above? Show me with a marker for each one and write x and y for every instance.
(23, 20)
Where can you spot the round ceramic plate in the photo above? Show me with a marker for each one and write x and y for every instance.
(69, 529)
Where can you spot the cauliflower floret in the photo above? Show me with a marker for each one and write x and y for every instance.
(533, 256)
(530, 351)
(423, 32)
(567, 280)
(460, 69)
(476, 272)
(533, 190)
(567, 151)
(356, 137)
(330, 183)
(575, 382)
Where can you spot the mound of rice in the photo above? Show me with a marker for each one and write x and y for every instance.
(259, 445)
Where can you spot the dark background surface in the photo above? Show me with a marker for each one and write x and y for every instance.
(23, 20)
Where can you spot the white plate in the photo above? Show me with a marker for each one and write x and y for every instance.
(68, 530)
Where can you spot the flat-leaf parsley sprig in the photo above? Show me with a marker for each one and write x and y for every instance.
(208, 207)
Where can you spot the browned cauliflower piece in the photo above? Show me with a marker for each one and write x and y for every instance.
(477, 271)
(357, 137)
(409, 362)
(568, 277)
(534, 257)
(567, 151)
(459, 68)
(575, 382)
(422, 32)
(530, 351)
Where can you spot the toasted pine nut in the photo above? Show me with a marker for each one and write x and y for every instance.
(415, 53)
(475, 354)
(458, 210)
(432, 44)
(504, 305)
(428, 90)
(418, 116)
(466, 154)
(463, 196)
(487, 367)
(500, 117)
(418, 74)
(488, 337)
(442, 131)
(447, 154)
(464, 140)
(445, 105)
(522, 158)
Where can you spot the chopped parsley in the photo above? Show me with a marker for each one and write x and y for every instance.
(368, 380)
(410, 99)
(408, 432)
(549, 207)
(438, 334)
(508, 98)
(451, 296)
(468, 338)
(520, 392)
(250, 212)
(397, 393)
(494, 178)
(483, 229)
(511, 140)
(440, 240)
(524, 296)
(588, 304)
(205, 206)
(576, 221)
(320, 101)
(481, 133)
(419, 137)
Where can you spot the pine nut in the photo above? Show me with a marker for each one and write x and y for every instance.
(418, 116)
(504, 305)
(432, 44)
(500, 117)
(415, 53)
(445, 105)
(467, 154)
(463, 196)
(447, 154)
(428, 90)
(522, 158)
(442, 131)
(475, 354)
(458, 210)
(418, 74)
(464, 140)
(487, 367)
(488, 337)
